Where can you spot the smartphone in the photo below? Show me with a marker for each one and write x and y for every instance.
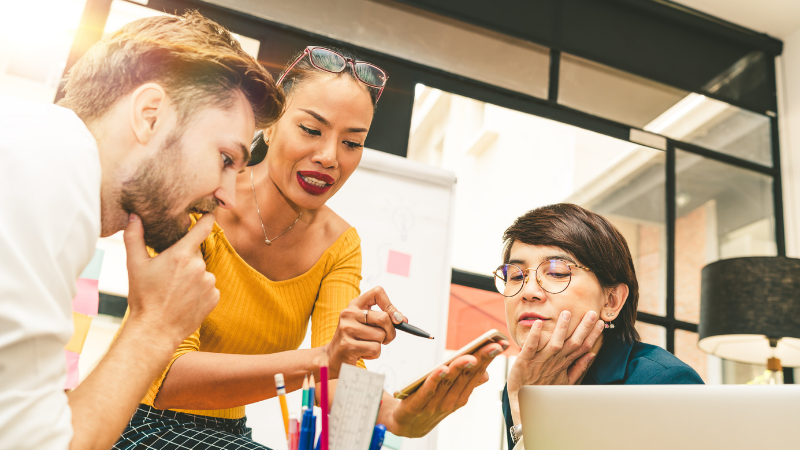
(487, 338)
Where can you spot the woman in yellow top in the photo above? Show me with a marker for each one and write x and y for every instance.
(285, 257)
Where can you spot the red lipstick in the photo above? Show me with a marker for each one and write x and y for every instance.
(314, 183)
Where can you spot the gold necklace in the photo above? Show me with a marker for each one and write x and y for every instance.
(267, 240)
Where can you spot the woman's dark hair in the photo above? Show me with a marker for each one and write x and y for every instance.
(301, 72)
(593, 241)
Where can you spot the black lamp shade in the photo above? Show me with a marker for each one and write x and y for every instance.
(745, 302)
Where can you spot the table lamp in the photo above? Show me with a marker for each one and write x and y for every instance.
(750, 311)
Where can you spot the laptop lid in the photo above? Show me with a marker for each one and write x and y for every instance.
(660, 417)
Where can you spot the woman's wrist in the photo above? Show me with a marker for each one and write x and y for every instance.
(513, 403)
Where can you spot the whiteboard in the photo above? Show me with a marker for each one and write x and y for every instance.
(403, 211)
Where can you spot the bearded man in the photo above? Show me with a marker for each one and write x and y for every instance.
(155, 125)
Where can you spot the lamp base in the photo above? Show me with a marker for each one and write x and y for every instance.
(773, 374)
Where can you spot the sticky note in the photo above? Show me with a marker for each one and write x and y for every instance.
(82, 323)
(399, 263)
(72, 369)
(87, 300)
(92, 271)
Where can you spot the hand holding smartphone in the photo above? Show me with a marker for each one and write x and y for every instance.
(489, 337)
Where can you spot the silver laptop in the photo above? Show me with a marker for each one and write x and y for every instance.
(664, 417)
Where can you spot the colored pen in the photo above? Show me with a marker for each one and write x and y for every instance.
(323, 403)
(313, 431)
(305, 393)
(411, 329)
(377, 437)
(303, 432)
(312, 387)
(281, 388)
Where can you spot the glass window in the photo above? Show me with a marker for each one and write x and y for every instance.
(34, 46)
(602, 91)
(124, 12)
(652, 334)
(473, 312)
(686, 349)
(487, 145)
(722, 212)
(716, 125)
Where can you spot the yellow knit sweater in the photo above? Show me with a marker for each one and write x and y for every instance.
(258, 316)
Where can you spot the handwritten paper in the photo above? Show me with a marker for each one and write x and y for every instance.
(82, 323)
(87, 300)
(72, 369)
(355, 408)
(399, 263)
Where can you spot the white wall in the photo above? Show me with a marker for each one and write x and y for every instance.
(789, 113)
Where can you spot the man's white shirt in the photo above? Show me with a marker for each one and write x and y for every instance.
(49, 224)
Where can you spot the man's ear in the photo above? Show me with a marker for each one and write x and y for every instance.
(148, 111)
(615, 300)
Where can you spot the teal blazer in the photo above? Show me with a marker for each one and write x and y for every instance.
(626, 363)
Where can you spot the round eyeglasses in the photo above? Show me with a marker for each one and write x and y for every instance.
(552, 275)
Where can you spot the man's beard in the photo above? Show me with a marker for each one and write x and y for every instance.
(154, 192)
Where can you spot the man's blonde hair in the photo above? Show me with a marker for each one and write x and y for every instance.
(197, 62)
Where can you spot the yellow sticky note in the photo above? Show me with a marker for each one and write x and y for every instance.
(82, 323)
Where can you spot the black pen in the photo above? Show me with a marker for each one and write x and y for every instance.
(411, 329)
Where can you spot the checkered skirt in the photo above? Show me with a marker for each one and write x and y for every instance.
(152, 428)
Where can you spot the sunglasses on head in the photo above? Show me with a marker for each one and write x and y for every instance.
(330, 61)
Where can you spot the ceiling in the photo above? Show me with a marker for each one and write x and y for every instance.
(778, 18)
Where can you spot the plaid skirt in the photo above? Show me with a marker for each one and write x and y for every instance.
(152, 428)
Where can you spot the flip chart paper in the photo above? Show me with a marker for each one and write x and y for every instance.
(82, 323)
(72, 369)
(87, 300)
(92, 271)
(399, 263)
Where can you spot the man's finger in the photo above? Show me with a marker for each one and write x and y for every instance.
(134, 242)
(531, 345)
(575, 347)
(199, 232)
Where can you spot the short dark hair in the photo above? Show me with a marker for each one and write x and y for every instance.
(303, 70)
(197, 62)
(591, 239)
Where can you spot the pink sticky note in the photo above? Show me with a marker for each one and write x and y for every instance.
(88, 298)
(72, 369)
(399, 263)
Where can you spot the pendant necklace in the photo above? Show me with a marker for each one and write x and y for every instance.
(267, 240)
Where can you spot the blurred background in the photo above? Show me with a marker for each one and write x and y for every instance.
(678, 122)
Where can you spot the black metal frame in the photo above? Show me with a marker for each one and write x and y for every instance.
(547, 108)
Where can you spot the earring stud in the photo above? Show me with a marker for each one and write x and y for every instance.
(611, 314)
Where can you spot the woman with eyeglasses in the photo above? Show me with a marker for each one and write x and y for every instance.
(281, 257)
(571, 293)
